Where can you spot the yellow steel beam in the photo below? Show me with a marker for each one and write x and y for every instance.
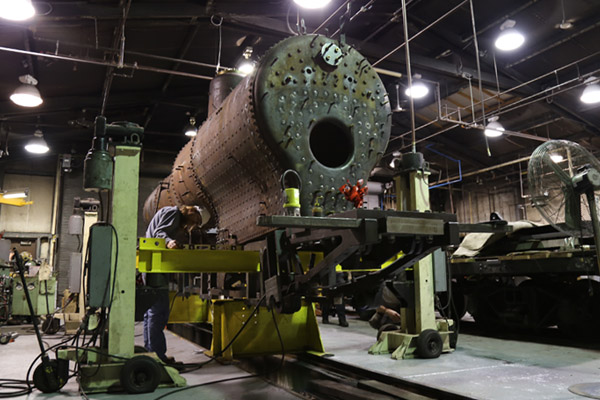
(153, 256)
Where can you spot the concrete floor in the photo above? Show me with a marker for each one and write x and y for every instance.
(481, 367)
(16, 357)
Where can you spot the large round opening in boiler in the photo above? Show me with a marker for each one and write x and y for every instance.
(331, 143)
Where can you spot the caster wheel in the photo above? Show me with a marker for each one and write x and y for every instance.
(140, 374)
(429, 344)
(51, 325)
(140, 349)
(53, 381)
(385, 328)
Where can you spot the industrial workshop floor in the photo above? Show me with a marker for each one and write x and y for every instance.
(15, 359)
(481, 367)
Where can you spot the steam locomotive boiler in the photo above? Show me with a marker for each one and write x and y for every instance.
(314, 105)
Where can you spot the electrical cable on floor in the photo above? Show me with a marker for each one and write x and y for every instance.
(196, 366)
(226, 347)
(21, 388)
(24, 386)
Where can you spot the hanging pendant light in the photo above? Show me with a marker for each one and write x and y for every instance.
(510, 38)
(591, 93)
(418, 89)
(16, 10)
(27, 95)
(37, 144)
(493, 128)
(190, 128)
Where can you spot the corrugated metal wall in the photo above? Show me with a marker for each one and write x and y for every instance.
(475, 204)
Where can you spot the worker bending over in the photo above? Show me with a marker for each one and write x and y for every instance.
(174, 224)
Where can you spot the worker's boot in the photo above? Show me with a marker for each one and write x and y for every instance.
(341, 312)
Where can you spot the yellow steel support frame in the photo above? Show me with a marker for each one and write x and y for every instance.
(188, 309)
(124, 217)
(299, 331)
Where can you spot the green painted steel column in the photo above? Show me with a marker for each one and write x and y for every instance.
(124, 219)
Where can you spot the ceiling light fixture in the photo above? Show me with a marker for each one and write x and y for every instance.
(27, 95)
(493, 128)
(37, 144)
(510, 38)
(190, 128)
(556, 158)
(16, 194)
(591, 93)
(564, 24)
(246, 66)
(312, 4)
(16, 10)
(418, 90)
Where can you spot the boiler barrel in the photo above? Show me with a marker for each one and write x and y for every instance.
(313, 105)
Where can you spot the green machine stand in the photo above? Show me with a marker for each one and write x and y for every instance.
(421, 335)
(115, 366)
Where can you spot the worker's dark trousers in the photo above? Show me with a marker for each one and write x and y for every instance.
(155, 320)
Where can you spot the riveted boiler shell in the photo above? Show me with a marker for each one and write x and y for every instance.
(314, 106)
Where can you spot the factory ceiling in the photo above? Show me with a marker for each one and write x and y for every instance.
(157, 73)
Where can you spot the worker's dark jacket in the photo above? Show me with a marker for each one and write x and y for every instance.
(164, 225)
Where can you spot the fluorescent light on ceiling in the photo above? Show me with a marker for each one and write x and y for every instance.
(15, 195)
(556, 158)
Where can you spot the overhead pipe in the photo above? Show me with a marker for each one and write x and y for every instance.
(340, 8)
(356, 14)
(409, 73)
(129, 52)
(476, 44)
(134, 66)
(501, 109)
(503, 18)
(487, 169)
(553, 45)
(510, 108)
(420, 32)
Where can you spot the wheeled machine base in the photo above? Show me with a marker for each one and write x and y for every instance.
(430, 343)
